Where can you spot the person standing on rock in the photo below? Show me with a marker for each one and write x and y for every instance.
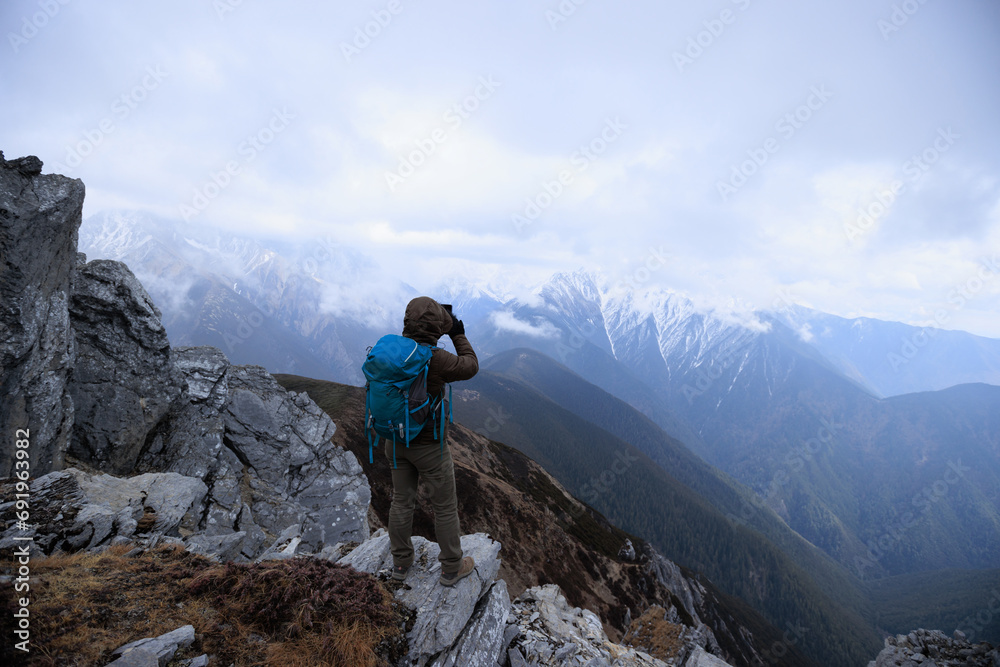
(428, 459)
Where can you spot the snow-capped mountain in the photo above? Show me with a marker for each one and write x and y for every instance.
(300, 308)
(890, 358)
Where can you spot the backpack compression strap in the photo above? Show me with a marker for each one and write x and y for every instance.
(369, 420)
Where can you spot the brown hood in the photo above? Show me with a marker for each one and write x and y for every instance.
(426, 320)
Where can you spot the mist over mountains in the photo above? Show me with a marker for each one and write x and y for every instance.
(212, 283)
(877, 443)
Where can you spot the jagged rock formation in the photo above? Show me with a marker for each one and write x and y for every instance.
(88, 369)
(441, 633)
(547, 631)
(39, 219)
(266, 455)
(932, 648)
(123, 382)
(154, 651)
(224, 460)
(557, 540)
(76, 510)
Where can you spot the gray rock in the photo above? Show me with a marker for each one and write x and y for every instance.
(123, 380)
(225, 547)
(551, 628)
(285, 440)
(914, 648)
(701, 658)
(200, 661)
(163, 647)
(691, 595)
(627, 552)
(516, 658)
(266, 453)
(76, 510)
(138, 657)
(481, 642)
(40, 218)
(442, 611)
(285, 546)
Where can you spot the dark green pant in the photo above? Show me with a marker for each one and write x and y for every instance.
(437, 472)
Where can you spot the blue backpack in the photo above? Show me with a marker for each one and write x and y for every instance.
(396, 402)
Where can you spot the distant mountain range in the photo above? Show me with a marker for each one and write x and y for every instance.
(842, 452)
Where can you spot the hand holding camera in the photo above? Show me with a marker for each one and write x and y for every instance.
(457, 327)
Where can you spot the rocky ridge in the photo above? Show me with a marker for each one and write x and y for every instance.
(932, 648)
(134, 442)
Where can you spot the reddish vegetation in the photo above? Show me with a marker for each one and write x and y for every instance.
(297, 612)
(655, 635)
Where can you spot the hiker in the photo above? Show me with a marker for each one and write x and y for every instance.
(428, 458)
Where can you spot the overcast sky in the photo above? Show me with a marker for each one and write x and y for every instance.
(743, 139)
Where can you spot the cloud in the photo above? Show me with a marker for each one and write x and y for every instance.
(507, 321)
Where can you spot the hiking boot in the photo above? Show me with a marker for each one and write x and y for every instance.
(450, 579)
(399, 572)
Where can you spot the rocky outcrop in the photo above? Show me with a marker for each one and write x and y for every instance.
(155, 651)
(933, 648)
(690, 596)
(89, 373)
(442, 613)
(546, 630)
(706, 629)
(123, 380)
(39, 220)
(265, 454)
(223, 460)
(74, 510)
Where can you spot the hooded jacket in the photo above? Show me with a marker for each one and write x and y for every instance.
(425, 321)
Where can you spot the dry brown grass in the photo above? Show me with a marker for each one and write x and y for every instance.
(655, 635)
(298, 612)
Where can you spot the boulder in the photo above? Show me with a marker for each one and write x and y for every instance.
(162, 648)
(699, 657)
(73, 510)
(442, 612)
(932, 647)
(551, 632)
(267, 456)
(481, 642)
(39, 223)
(123, 380)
